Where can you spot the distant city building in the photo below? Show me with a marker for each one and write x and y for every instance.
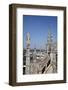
(40, 61)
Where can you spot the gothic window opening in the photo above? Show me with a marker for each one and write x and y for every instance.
(24, 60)
(24, 70)
(48, 63)
(43, 70)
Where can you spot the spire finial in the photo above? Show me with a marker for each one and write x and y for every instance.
(28, 40)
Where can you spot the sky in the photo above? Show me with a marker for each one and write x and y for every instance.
(38, 27)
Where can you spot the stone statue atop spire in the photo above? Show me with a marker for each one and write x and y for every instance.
(28, 40)
(49, 42)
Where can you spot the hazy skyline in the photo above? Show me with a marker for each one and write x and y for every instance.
(38, 27)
